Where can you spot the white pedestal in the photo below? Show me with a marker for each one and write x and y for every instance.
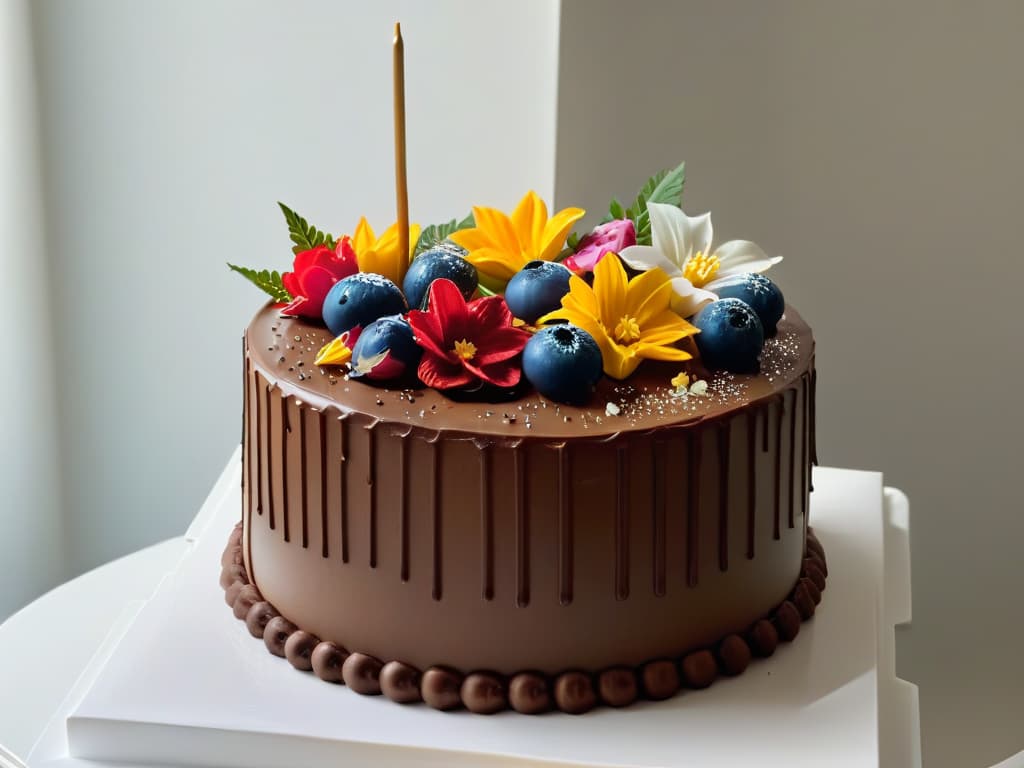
(181, 682)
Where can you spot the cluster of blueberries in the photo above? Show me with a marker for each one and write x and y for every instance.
(561, 361)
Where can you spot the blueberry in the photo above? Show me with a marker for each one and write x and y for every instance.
(537, 289)
(429, 266)
(360, 299)
(563, 362)
(730, 336)
(763, 296)
(385, 350)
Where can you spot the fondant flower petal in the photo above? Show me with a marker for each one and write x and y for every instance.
(502, 344)
(529, 218)
(738, 257)
(610, 283)
(438, 373)
(645, 257)
(556, 230)
(499, 227)
(687, 299)
(499, 373)
(363, 238)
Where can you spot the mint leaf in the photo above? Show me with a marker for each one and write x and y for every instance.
(663, 187)
(266, 281)
(435, 234)
(302, 233)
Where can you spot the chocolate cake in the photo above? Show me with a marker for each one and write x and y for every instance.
(492, 536)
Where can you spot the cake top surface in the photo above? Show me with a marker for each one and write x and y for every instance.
(531, 328)
(283, 350)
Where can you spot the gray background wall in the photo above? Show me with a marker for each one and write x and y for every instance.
(876, 145)
(873, 144)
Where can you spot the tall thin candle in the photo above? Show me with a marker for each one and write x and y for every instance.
(401, 183)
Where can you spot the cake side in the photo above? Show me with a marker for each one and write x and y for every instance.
(511, 549)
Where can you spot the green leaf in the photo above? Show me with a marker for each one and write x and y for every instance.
(663, 187)
(268, 282)
(302, 233)
(436, 234)
(485, 291)
(616, 210)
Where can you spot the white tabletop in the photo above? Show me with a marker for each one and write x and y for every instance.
(46, 645)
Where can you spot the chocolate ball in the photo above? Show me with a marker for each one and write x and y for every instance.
(803, 601)
(733, 654)
(400, 682)
(812, 589)
(617, 686)
(528, 693)
(787, 621)
(574, 693)
(813, 572)
(327, 660)
(660, 679)
(441, 688)
(362, 674)
(764, 638)
(483, 693)
(699, 669)
(276, 634)
(298, 648)
(248, 596)
(232, 592)
(258, 616)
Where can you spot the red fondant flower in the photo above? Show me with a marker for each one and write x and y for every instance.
(315, 272)
(466, 343)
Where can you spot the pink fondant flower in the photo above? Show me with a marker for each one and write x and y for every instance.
(611, 237)
(315, 272)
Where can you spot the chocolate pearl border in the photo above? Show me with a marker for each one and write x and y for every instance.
(529, 692)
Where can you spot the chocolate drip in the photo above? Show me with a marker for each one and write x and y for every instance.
(486, 525)
(270, 463)
(658, 510)
(303, 479)
(522, 529)
(435, 514)
(343, 501)
(321, 429)
(751, 480)
(371, 489)
(403, 519)
(693, 462)
(286, 429)
(621, 523)
(258, 440)
(246, 484)
(814, 418)
(776, 524)
(792, 460)
(805, 381)
(724, 437)
(565, 528)
(767, 412)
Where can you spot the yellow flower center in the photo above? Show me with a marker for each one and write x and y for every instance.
(700, 269)
(628, 330)
(465, 349)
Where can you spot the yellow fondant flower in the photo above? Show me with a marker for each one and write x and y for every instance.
(382, 255)
(629, 319)
(499, 245)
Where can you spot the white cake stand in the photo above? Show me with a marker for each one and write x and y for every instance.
(179, 681)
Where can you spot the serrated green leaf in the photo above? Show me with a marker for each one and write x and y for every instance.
(267, 281)
(616, 210)
(304, 235)
(663, 187)
(436, 234)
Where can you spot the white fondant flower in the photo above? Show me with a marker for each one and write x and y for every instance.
(682, 248)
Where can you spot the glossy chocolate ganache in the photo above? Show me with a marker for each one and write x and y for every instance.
(406, 527)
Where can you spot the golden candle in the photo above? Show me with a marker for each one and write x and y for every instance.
(401, 183)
